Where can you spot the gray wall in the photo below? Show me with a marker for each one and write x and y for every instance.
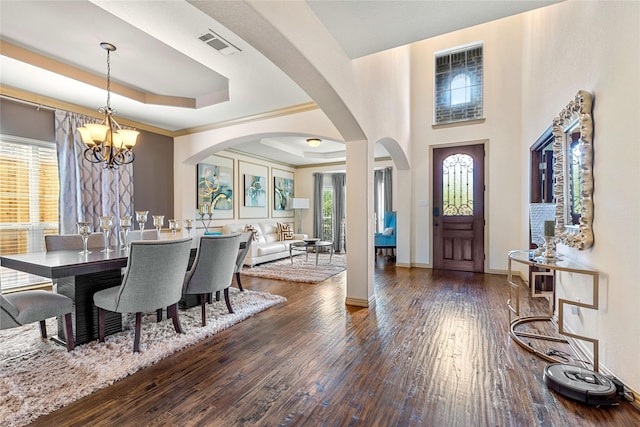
(153, 166)
(153, 175)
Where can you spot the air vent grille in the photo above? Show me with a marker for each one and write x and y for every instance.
(223, 46)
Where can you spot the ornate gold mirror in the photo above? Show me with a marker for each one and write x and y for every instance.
(573, 174)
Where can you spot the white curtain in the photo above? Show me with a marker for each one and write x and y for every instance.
(87, 190)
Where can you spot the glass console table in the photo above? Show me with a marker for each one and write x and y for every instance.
(551, 266)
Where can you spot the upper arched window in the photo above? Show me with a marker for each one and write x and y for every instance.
(460, 89)
(458, 85)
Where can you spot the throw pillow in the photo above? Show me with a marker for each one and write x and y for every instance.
(388, 231)
(285, 232)
(248, 228)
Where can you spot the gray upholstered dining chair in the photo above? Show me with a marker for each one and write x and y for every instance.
(152, 280)
(22, 308)
(212, 269)
(247, 238)
(142, 235)
(61, 242)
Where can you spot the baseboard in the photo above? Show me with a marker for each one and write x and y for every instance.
(428, 266)
(420, 265)
(580, 349)
(361, 302)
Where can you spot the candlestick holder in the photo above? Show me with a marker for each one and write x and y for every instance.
(208, 219)
(549, 248)
(206, 210)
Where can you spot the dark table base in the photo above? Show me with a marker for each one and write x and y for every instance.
(85, 315)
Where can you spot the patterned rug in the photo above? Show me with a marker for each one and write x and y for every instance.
(38, 376)
(301, 270)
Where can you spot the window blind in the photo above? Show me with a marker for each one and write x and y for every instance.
(29, 189)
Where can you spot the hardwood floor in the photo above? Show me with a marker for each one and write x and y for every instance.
(434, 351)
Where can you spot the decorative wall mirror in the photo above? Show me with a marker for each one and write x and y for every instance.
(573, 174)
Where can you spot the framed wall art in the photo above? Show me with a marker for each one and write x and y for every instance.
(254, 179)
(255, 191)
(215, 187)
(282, 193)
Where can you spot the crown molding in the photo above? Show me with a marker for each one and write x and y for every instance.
(39, 100)
(294, 109)
(28, 57)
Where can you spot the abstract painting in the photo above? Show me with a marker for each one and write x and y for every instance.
(283, 193)
(215, 186)
(255, 191)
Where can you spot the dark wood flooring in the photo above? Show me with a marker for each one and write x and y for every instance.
(434, 351)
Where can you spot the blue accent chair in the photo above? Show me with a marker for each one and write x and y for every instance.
(387, 239)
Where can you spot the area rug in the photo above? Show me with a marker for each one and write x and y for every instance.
(38, 376)
(302, 270)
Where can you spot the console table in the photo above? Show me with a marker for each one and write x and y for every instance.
(552, 266)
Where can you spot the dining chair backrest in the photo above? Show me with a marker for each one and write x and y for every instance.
(62, 242)
(154, 275)
(214, 265)
(8, 314)
(247, 238)
(146, 235)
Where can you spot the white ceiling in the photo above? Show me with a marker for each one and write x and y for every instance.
(160, 58)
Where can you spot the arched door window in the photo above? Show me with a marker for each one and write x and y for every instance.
(457, 185)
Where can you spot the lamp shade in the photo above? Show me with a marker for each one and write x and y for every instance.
(129, 137)
(300, 203)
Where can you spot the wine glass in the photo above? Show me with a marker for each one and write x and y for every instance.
(173, 226)
(125, 225)
(158, 220)
(84, 229)
(106, 222)
(188, 224)
(141, 217)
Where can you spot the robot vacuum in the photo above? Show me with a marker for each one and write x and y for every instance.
(581, 384)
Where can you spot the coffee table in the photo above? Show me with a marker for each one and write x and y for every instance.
(311, 246)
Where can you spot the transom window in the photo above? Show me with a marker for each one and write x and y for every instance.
(458, 84)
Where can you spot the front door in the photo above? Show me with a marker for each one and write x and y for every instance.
(458, 208)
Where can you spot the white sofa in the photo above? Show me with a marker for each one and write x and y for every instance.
(268, 247)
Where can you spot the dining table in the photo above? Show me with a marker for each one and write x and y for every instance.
(79, 276)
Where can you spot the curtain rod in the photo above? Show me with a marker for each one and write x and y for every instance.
(22, 101)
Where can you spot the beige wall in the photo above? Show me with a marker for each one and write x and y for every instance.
(534, 64)
(499, 132)
(192, 149)
(594, 46)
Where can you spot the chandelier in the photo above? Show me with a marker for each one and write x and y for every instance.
(107, 142)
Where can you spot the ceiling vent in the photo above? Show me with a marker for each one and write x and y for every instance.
(218, 43)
